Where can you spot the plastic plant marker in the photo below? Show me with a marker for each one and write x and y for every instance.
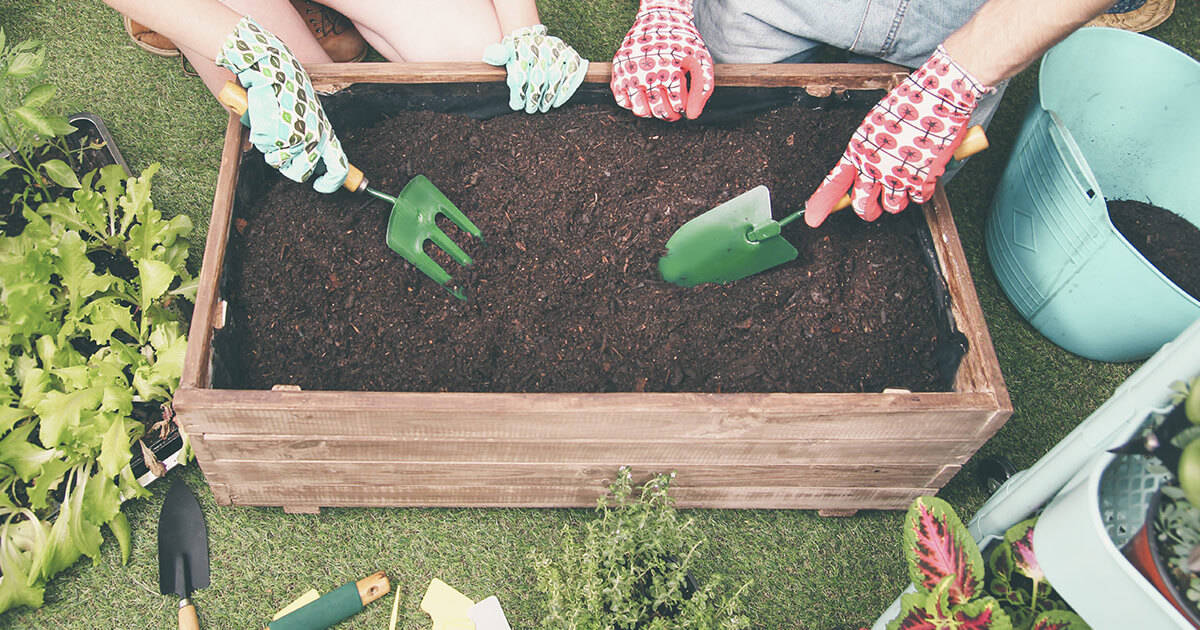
(447, 607)
(307, 598)
(488, 615)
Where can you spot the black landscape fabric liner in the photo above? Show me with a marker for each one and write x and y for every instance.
(363, 106)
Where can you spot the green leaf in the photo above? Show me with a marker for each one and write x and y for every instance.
(10, 416)
(39, 95)
(114, 451)
(17, 567)
(60, 412)
(51, 476)
(101, 498)
(6, 166)
(26, 63)
(35, 121)
(156, 277)
(119, 526)
(61, 173)
(25, 457)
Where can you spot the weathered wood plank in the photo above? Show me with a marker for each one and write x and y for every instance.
(803, 498)
(199, 349)
(819, 76)
(562, 416)
(371, 474)
(222, 447)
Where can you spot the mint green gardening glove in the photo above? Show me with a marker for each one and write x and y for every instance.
(543, 71)
(287, 122)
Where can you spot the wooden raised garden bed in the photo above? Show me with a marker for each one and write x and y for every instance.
(834, 452)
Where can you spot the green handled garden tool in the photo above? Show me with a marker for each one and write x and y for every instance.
(739, 238)
(414, 212)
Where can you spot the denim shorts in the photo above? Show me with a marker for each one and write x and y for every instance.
(903, 32)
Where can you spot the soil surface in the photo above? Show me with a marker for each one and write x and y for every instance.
(576, 206)
(1170, 242)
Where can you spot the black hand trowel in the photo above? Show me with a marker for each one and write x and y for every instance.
(182, 551)
(739, 238)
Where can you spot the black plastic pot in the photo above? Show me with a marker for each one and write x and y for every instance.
(90, 129)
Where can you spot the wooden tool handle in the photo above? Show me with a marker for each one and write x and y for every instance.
(373, 587)
(233, 96)
(972, 143)
(188, 620)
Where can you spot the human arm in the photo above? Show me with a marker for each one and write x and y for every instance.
(663, 68)
(287, 122)
(543, 71)
(514, 14)
(905, 142)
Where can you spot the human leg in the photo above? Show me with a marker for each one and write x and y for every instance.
(424, 30)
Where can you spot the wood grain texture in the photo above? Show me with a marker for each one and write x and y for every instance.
(836, 453)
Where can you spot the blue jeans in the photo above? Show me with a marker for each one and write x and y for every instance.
(903, 32)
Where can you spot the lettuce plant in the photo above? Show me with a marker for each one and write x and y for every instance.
(947, 569)
(91, 323)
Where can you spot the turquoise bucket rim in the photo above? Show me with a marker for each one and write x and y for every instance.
(1108, 31)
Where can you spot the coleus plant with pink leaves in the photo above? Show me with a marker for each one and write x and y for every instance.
(951, 580)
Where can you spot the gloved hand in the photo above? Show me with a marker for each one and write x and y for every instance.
(287, 122)
(543, 71)
(662, 53)
(904, 144)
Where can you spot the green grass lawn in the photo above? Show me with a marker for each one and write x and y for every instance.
(808, 572)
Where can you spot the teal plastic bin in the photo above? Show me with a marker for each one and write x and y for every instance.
(1114, 117)
(1093, 502)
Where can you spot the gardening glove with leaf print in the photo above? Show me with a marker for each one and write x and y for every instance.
(543, 71)
(287, 122)
(663, 69)
(904, 144)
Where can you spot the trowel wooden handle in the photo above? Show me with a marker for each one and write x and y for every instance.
(974, 142)
(233, 96)
(188, 620)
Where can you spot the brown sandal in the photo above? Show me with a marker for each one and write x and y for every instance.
(148, 40)
(336, 34)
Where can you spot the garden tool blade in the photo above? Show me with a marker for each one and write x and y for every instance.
(738, 238)
(182, 549)
(716, 246)
(414, 221)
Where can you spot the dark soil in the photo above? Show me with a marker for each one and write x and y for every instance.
(1170, 242)
(576, 206)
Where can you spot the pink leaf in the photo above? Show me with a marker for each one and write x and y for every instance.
(937, 545)
(1022, 548)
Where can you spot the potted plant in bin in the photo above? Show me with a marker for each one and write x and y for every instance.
(1167, 548)
(632, 570)
(956, 591)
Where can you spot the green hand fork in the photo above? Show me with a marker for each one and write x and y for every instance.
(414, 212)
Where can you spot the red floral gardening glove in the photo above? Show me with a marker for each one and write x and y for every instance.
(663, 68)
(904, 143)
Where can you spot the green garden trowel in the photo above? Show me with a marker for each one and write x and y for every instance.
(739, 238)
(414, 212)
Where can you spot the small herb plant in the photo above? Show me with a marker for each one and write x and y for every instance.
(1176, 443)
(33, 139)
(632, 569)
(91, 327)
(947, 569)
